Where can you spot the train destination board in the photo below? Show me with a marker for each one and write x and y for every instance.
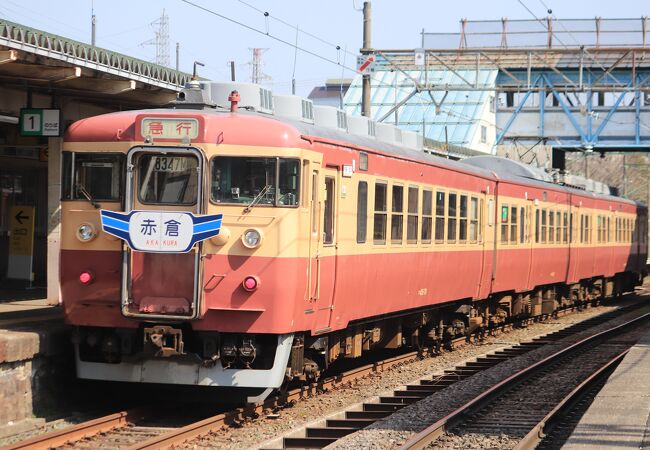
(161, 231)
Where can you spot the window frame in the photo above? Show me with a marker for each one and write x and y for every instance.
(377, 212)
(275, 204)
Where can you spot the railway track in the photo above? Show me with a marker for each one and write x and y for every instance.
(513, 412)
(124, 429)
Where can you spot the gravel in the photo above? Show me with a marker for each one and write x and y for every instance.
(388, 432)
(394, 430)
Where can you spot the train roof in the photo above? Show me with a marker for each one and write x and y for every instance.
(489, 167)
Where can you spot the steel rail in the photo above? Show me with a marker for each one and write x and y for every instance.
(76, 432)
(238, 415)
(434, 431)
(540, 431)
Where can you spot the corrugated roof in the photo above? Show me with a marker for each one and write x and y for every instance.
(459, 111)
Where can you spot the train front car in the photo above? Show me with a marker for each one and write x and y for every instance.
(155, 293)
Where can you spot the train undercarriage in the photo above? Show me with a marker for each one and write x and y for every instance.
(175, 354)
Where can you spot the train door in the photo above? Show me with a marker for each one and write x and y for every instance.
(528, 224)
(488, 238)
(162, 285)
(326, 260)
(574, 235)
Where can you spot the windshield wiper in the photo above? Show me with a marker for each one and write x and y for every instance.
(257, 198)
(81, 188)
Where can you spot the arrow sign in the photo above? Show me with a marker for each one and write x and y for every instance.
(368, 63)
(20, 217)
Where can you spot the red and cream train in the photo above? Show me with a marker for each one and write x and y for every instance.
(331, 243)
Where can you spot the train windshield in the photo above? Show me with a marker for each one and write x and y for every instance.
(237, 179)
(169, 179)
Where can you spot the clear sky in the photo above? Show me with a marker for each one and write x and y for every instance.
(124, 25)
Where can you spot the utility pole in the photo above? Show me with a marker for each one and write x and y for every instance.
(232, 70)
(178, 55)
(366, 50)
(94, 27)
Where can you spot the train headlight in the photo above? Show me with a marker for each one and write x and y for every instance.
(252, 238)
(86, 232)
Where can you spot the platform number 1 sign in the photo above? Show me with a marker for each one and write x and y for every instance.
(40, 122)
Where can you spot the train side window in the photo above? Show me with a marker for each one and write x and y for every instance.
(314, 202)
(480, 220)
(565, 234)
(328, 223)
(608, 237)
(504, 224)
(582, 228)
(558, 227)
(587, 229)
(412, 220)
(452, 213)
(537, 226)
(544, 227)
(513, 224)
(440, 216)
(601, 229)
(473, 219)
(427, 210)
(551, 226)
(572, 235)
(522, 225)
(362, 212)
(462, 222)
(380, 219)
(397, 215)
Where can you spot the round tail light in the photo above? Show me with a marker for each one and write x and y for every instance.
(86, 277)
(251, 283)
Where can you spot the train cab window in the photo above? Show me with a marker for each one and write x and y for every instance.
(473, 219)
(380, 219)
(504, 224)
(170, 179)
(543, 228)
(462, 221)
(92, 175)
(362, 212)
(513, 224)
(452, 211)
(412, 220)
(265, 181)
(397, 215)
(551, 226)
(440, 216)
(427, 211)
(537, 226)
(522, 225)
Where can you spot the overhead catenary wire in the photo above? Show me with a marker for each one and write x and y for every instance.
(311, 35)
(257, 30)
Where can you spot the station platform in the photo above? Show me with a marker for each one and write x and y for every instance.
(34, 356)
(619, 417)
